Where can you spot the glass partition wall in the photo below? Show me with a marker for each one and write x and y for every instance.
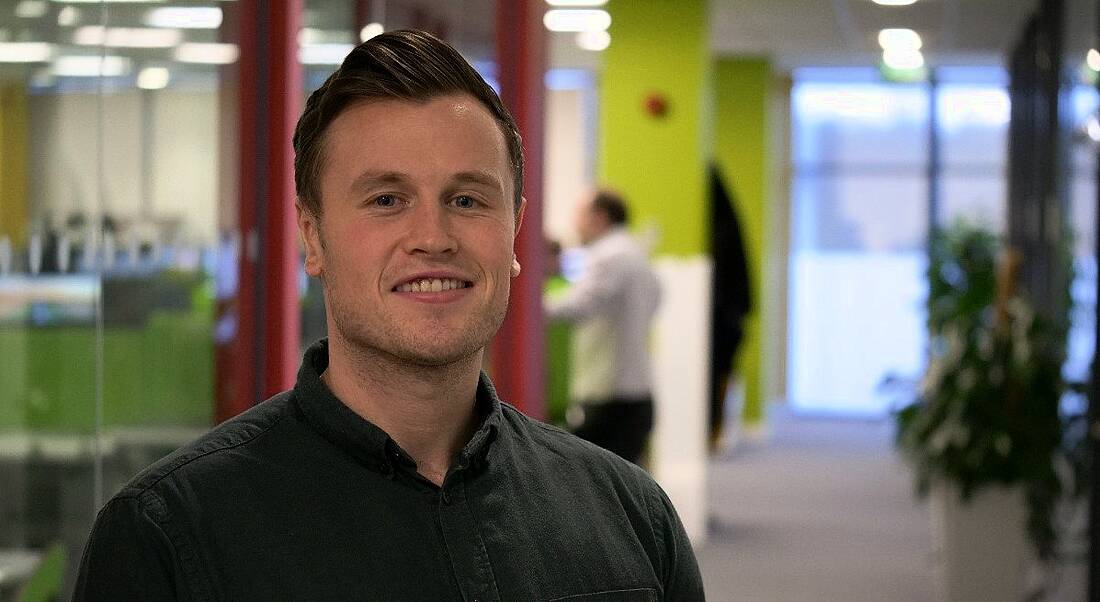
(115, 249)
(119, 240)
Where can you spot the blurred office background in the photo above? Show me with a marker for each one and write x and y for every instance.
(150, 285)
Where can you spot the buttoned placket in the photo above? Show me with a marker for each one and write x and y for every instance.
(462, 537)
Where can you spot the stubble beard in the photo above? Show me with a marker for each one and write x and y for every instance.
(383, 337)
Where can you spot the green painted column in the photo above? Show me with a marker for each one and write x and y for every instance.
(741, 150)
(658, 53)
(654, 135)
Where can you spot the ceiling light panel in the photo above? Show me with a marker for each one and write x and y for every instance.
(25, 52)
(31, 9)
(126, 37)
(894, 2)
(323, 54)
(901, 39)
(109, 1)
(903, 59)
(576, 20)
(185, 17)
(209, 54)
(370, 30)
(153, 78)
(90, 66)
(68, 16)
(593, 40)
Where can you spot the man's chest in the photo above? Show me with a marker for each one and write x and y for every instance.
(469, 541)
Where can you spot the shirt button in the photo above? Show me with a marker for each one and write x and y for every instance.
(446, 497)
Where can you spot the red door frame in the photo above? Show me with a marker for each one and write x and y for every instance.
(269, 92)
(517, 354)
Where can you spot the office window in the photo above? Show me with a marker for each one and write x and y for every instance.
(972, 112)
(1085, 140)
(860, 222)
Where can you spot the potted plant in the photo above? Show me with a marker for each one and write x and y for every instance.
(985, 435)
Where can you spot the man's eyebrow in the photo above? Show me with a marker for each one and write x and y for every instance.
(483, 178)
(370, 177)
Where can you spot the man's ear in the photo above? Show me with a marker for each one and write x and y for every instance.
(309, 230)
(519, 223)
(519, 217)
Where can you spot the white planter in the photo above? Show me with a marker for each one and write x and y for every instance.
(981, 546)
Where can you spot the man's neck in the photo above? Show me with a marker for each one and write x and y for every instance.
(428, 410)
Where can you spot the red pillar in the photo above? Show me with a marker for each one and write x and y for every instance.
(517, 354)
(269, 90)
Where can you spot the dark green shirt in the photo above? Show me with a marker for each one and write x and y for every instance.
(300, 498)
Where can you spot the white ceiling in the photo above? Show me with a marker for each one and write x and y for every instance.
(797, 33)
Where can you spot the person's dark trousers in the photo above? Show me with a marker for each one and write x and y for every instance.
(621, 425)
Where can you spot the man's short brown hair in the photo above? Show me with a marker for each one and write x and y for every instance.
(404, 65)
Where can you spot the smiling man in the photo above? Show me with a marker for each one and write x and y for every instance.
(392, 471)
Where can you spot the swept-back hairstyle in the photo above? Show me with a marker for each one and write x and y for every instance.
(404, 65)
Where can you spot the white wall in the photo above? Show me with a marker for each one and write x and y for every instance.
(67, 152)
(568, 160)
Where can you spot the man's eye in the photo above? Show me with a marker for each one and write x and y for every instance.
(465, 202)
(386, 200)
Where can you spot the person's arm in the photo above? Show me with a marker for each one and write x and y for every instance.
(128, 557)
(589, 296)
(681, 578)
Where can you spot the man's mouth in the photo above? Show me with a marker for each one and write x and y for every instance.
(432, 285)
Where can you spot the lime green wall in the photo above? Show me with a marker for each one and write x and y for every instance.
(13, 163)
(657, 47)
(741, 150)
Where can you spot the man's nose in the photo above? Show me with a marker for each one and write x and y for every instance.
(430, 230)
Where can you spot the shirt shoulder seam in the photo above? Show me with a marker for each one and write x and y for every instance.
(186, 459)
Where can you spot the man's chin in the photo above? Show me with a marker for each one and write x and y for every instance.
(436, 358)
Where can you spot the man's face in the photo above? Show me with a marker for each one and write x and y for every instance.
(590, 222)
(414, 244)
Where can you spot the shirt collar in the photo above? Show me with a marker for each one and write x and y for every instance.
(366, 441)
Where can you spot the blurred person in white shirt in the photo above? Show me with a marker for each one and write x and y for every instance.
(611, 306)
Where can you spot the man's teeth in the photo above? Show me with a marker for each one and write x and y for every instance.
(431, 285)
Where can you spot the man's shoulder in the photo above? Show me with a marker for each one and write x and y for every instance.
(573, 455)
(209, 452)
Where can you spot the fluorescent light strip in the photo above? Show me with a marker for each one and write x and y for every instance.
(209, 54)
(900, 39)
(894, 2)
(1092, 128)
(370, 30)
(323, 54)
(68, 16)
(1092, 59)
(576, 20)
(576, 2)
(30, 9)
(185, 17)
(593, 40)
(903, 58)
(25, 52)
(153, 78)
(109, 1)
(90, 66)
(126, 37)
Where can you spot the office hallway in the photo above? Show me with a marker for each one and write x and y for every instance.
(822, 511)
